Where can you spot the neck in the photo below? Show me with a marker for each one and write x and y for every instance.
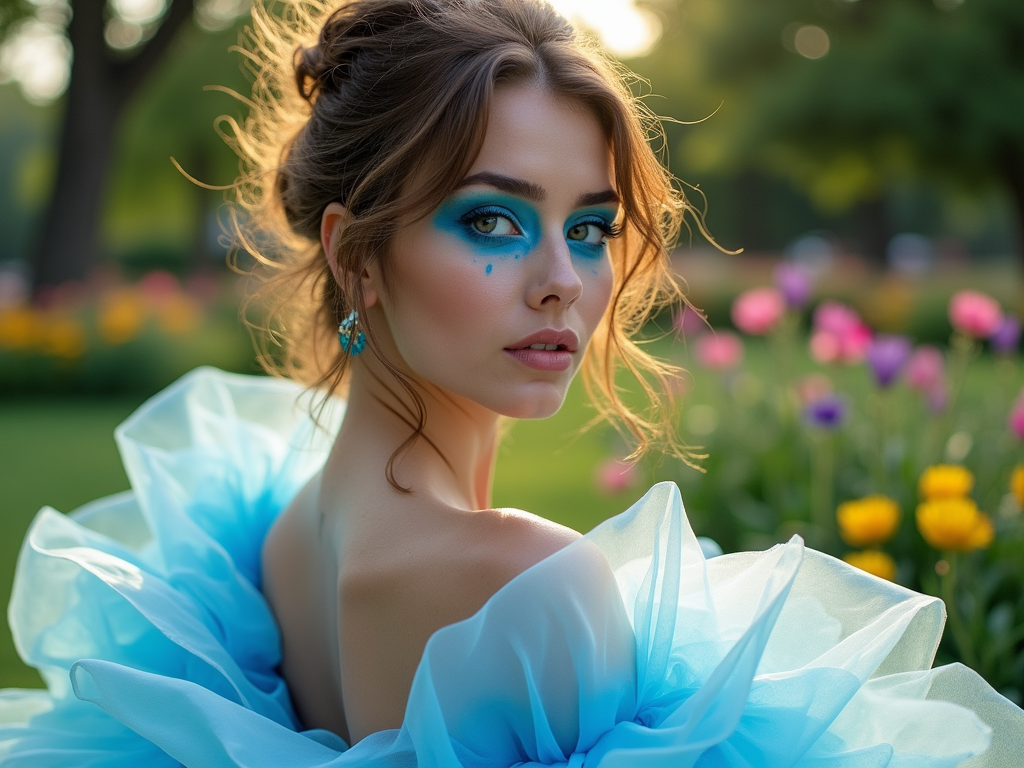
(453, 459)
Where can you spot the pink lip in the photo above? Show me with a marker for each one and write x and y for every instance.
(543, 359)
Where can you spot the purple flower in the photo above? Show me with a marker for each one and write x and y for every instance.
(795, 284)
(1006, 337)
(886, 356)
(826, 412)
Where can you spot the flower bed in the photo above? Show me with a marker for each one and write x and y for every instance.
(121, 338)
(904, 459)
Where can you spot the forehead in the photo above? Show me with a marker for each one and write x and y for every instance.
(534, 135)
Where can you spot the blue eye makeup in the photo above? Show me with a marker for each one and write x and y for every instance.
(588, 234)
(491, 223)
(496, 225)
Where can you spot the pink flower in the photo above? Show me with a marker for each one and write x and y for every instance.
(758, 310)
(839, 335)
(974, 314)
(925, 369)
(835, 318)
(720, 351)
(158, 286)
(1016, 419)
(614, 476)
(850, 347)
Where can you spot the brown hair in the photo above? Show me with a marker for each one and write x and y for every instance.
(349, 103)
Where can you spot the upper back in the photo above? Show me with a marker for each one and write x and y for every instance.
(358, 598)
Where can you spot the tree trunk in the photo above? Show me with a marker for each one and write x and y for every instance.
(67, 245)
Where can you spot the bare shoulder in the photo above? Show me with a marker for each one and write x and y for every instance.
(449, 569)
(513, 540)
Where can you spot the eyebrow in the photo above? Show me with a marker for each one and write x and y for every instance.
(533, 192)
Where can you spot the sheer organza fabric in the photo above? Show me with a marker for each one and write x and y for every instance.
(144, 615)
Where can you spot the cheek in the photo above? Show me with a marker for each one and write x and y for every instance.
(597, 295)
(443, 301)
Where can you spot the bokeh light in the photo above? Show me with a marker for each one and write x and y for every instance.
(139, 11)
(811, 41)
(37, 56)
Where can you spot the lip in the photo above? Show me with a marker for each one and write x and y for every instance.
(546, 359)
(564, 338)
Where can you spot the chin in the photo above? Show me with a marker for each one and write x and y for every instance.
(537, 400)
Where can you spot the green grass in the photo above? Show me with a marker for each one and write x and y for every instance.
(57, 453)
(61, 453)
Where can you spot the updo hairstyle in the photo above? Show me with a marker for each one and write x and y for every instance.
(382, 106)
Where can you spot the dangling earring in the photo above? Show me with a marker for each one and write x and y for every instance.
(347, 328)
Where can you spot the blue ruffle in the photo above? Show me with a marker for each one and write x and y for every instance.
(143, 613)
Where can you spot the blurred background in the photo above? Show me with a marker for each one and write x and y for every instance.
(867, 153)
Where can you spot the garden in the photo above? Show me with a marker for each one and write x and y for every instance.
(903, 457)
(849, 357)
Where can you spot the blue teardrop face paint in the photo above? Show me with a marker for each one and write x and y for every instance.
(491, 224)
(488, 269)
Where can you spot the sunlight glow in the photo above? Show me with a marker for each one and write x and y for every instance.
(215, 15)
(139, 11)
(624, 28)
(37, 56)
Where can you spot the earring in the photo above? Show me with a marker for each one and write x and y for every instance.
(347, 328)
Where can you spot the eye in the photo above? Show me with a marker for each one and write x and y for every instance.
(588, 232)
(494, 224)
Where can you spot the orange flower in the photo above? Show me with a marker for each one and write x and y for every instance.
(20, 327)
(945, 481)
(954, 524)
(873, 561)
(869, 521)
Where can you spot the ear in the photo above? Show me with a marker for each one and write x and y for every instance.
(332, 224)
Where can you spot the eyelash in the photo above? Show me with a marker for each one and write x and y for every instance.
(489, 210)
(611, 230)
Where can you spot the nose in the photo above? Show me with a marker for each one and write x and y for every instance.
(556, 283)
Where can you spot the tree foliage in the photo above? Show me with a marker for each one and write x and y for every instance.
(931, 88)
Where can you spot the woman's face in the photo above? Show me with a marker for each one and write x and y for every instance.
(494, 296)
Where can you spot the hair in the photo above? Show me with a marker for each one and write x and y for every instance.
(355, 103)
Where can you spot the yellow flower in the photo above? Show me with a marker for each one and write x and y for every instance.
(875, 562)
(945, 481)
(869, 521)
(20, 327)
(954, 524)
(121, 316)
(1017, 483)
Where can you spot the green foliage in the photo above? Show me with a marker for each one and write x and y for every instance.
(151, 203)
(906, 87)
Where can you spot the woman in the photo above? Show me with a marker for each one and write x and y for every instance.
(465, 211)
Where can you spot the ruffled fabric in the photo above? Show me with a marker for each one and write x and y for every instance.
(628, 648)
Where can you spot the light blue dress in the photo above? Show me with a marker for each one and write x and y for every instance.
(144, 615)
